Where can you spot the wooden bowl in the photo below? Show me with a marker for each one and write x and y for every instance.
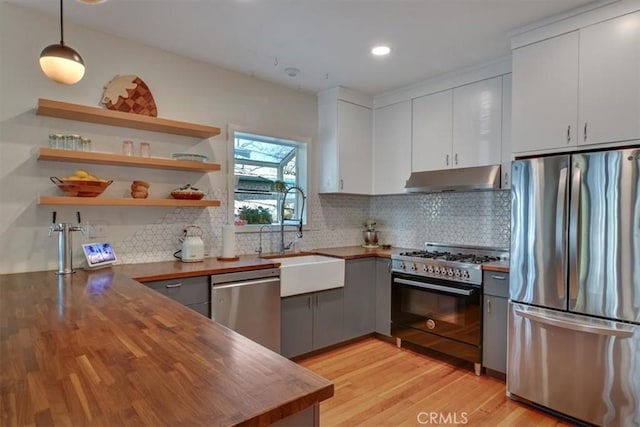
(80, 188)
(187, 195)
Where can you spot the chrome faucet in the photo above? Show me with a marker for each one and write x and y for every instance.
(65, 255)
(259, 250)
(283, 246)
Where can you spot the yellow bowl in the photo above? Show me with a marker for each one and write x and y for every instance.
(79, 187)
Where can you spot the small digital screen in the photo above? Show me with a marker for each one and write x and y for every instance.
(99, 254)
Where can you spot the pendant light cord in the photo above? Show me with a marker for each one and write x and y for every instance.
(61, 26)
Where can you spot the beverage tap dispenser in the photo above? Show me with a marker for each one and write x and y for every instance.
(65, 255)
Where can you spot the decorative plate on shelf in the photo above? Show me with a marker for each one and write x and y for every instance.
(190, 157)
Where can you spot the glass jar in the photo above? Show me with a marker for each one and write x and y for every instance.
(69, 142)
(85, 143)
(56, 141)
(127, 148)
(145, 149)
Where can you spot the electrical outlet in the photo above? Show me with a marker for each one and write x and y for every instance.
(96, 230)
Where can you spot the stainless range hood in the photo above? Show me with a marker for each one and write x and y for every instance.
(464, 179)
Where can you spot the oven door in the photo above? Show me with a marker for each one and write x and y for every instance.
(437, 314)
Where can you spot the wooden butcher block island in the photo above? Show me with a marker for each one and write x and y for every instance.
(98, 348)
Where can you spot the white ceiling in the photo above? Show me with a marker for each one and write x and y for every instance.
(329, 41)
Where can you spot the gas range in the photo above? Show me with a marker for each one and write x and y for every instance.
(454, 263)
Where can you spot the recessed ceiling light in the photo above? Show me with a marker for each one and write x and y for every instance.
(381, 50)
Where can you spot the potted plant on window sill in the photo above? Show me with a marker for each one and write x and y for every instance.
(257, 215)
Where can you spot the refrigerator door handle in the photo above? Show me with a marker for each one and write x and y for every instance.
(580, 327)
(561, 241)
(574, 234)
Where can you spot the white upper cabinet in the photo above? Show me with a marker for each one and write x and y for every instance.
(507, 152)
(477, 124)
(345, 132)
(578, 89)
(432, 132)
(545, 94)
(609, 81)
(458, 128)
(391, 148)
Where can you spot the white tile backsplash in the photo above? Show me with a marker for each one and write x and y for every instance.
(470, 218)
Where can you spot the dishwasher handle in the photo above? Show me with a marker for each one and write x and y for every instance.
(246, 283)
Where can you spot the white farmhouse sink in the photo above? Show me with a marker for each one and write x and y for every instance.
(309, 273)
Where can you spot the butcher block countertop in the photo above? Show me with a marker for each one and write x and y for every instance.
(502, 267)
(355, 252)
(99, 348)
(163, 270)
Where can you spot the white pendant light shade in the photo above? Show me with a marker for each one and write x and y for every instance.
(62, 64)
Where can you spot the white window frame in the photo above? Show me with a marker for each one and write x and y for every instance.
(302, 163)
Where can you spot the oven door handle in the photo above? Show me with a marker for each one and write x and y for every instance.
(434, 287)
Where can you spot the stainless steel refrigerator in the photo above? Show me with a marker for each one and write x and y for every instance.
(574, 310)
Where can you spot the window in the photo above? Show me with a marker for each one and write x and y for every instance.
(261, 165)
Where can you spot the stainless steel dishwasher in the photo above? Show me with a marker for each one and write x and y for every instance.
(248, 302)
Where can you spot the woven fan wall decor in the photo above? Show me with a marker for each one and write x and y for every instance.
(129, 94)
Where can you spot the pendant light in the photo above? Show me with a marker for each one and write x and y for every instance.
(61, 63)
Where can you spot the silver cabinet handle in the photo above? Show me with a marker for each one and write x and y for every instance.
(309, 301)
(506, 178)
(585, 131)
(341, 184)
(488, 306)
(495, 276)
(176, 285)
(456, 158)
(568, 134)
(580, 327)
(317, 299)
(447, 160)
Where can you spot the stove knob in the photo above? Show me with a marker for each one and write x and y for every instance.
(425, 269)
(457, 272)
(402, 266)
(436, 269)
(450, 271)
(413, 267)
(430, 268)
(465, 274)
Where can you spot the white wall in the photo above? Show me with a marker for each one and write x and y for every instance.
(183, 90)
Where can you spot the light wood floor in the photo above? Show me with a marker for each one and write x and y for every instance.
(377, 384)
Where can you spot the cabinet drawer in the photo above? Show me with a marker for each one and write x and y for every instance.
(496, 283)
(188, 290)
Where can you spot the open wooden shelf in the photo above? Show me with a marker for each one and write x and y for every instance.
(65, 110)
(120, 160)
(102, 201)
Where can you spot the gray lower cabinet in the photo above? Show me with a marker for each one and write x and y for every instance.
(311, 321)
(193, 292)
(359, 298)
(383, 296)
(494, 321)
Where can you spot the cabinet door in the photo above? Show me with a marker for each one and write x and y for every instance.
(327, 318)
(355, 134)
(545, 95)
(392, 148)
(477, 124)
(507, 149)
(610, 81)
(432, 120)
(383, 296)
(297, 324)
(359, 297)
(494, 337)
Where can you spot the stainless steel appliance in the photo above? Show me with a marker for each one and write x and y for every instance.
(248, 302)
(574, 311)
(436, 299)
